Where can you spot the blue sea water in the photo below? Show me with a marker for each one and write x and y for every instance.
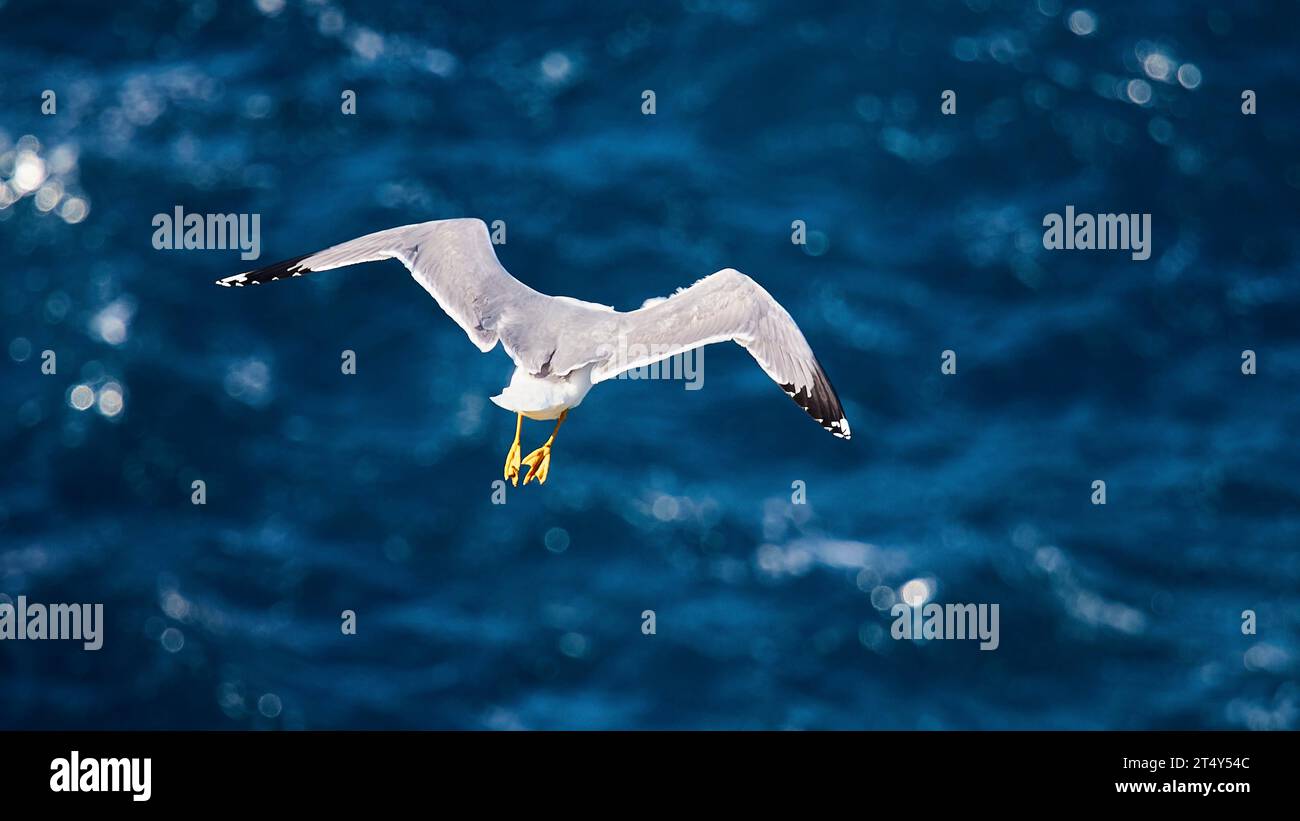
(373, 492)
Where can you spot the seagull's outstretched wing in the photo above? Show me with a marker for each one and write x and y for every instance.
(452, 259)
(727, 306)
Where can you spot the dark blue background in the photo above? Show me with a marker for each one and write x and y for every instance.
(373, 492)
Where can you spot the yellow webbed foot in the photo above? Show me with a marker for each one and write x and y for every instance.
(539, 465)
(512, 458)
(512, 465)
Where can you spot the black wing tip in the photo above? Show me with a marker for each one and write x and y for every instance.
(820, 402)
(284, 269)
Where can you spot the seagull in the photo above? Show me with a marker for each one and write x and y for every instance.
(562, 346)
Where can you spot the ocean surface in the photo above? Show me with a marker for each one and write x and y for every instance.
(770, 553)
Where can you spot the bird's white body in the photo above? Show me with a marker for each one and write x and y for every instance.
(544, 397)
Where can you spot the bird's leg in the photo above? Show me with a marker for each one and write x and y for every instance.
(539, 461)
(512, 458)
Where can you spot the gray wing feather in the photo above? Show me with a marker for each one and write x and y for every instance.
(451, 259)
(727, 306)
